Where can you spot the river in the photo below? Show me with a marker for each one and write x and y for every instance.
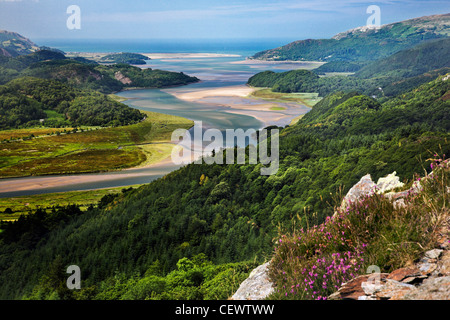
(220, 112)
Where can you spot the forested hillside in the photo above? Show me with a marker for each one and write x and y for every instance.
(26, 101)
(47, 86)
(363, 44)
(383, 78)
(135, 244)
(124, 57)
(85, 74)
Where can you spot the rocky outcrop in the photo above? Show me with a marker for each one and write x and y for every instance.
(122, 78)
(428, 279)
(366, 187)
(256, 287)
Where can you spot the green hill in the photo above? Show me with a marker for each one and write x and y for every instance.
(85, 74)
(411, 62)
(362, 44)
(394, 74)
(124, 57)
(13, 44)
(25, 101)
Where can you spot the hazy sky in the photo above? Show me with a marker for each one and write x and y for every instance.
(294, 19)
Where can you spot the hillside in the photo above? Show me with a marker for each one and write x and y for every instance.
(417, 60)
(27, 101)
(164, 239)
(124, 57)
(85, 74)
(13, 44)
(362, 44)
(393, 74)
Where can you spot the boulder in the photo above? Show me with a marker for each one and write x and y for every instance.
(257, 286)
(394, 290)
(404, 273)
(435, 288)
(364, 187)
(390, 182)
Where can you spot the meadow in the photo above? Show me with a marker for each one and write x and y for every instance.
(12, 208)
(44, 151)
(308, 99)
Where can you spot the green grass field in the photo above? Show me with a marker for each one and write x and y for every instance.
(308, 99)
(90, 150)
(25, 204)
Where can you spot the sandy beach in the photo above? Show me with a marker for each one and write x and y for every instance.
(288, 64)
(188, 55)
(238, 100)
(195, 96)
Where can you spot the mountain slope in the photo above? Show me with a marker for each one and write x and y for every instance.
(411, 62)
(395, 74)
(85, 74)
(362, 44)
(13, 44)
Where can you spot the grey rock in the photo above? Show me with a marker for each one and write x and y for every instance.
(364, 187)
(432, 289)
(256, 287)
(390, 182)
(394, 290)
(433, 254)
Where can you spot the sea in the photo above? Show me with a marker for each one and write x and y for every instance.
(243, 47)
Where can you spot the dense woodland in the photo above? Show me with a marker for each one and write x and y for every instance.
(385, 77)
(125, 57)
(25, 101)
(66, 92)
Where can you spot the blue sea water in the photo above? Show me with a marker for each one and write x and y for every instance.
(245, 47)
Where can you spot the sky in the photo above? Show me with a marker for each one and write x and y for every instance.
(203, 19)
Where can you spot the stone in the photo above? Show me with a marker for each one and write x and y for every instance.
(358, 288)
(370, 288)
(364, 187)
(403, 273)
(433, 254)
(427, 268)
(400, 203)
(416, 187)
(390, 182)
(257, 286)
(436, 288)
(352, 289)
(444, 264)
(394, 290)
(366, 298)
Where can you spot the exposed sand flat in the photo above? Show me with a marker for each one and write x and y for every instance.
(31, 183)
(266, 114)
(156, 56)
(237, 100)
(308, 65)
(267, 62)
(232, 91)
(188, 55)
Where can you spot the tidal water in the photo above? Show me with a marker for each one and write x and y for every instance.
(213, 72)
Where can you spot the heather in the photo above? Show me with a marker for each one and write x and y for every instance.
(313, 262)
